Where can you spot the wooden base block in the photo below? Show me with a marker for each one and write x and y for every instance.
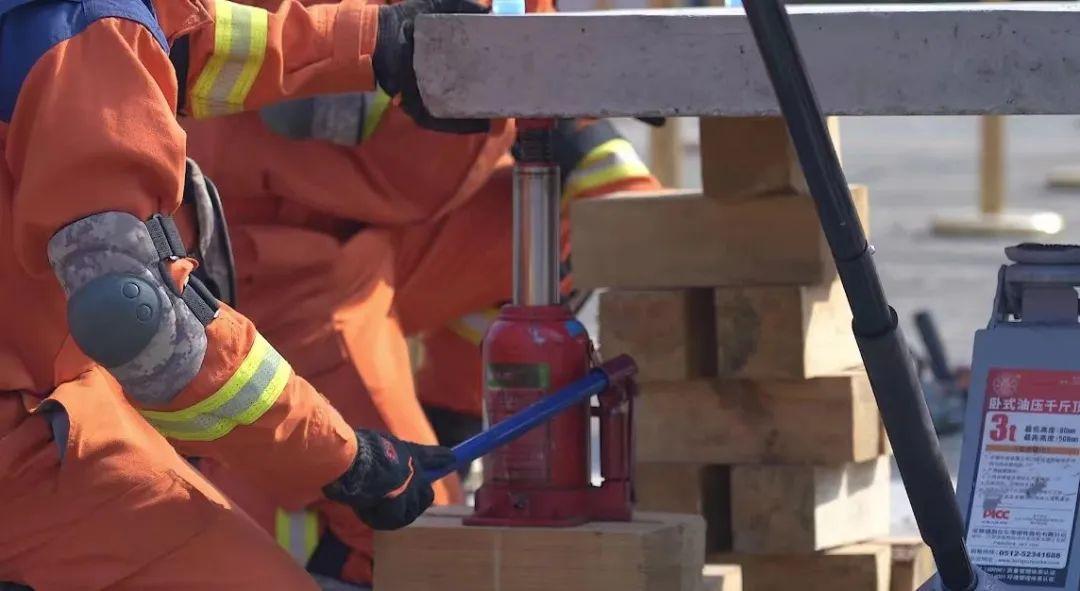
(681, 239)
(669, 333)
(655, 552)
(689, 488)
(784, 332)
(802, 509)
(825, 421)
(862, 567)
(722, 577)
(748, 156)
(912, 563)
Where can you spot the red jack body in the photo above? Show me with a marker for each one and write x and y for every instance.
(543, 477)
(535, 347)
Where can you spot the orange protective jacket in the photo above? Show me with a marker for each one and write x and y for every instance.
(94, 129)
(319, 271)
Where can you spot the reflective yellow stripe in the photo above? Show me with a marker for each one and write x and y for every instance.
(245, 397)
(297, 532)
(240, 36)
(378, 101)
(473, 327)
(282, 530)
(610, 162)
(212, 69)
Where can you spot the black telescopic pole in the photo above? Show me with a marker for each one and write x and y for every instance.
(886, 356)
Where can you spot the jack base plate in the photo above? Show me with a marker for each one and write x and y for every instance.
(505, 506)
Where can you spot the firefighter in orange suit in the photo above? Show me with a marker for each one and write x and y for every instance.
(113, 356)
(372, 228)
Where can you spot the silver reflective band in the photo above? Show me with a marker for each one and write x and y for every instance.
(252, 389)
(297, 532)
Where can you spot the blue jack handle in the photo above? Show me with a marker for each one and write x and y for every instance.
(541, 411)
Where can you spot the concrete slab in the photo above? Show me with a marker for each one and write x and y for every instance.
(929, 59)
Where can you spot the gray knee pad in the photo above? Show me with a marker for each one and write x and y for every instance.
(123, 312)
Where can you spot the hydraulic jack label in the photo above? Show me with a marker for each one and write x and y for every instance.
(1027, 477)
(512, 387)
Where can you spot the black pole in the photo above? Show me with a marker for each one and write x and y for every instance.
(886, 356)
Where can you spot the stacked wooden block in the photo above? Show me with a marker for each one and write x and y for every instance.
(654, 552)
(754, 409)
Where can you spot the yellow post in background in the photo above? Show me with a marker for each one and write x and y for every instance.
(992, 218)
(992, 166)
(665, 143)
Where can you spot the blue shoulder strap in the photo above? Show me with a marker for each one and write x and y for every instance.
(30, 28)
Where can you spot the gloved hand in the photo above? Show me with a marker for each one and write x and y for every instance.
(385, 485)
(393, 60)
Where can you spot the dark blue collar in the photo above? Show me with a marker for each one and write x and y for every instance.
(9, 5)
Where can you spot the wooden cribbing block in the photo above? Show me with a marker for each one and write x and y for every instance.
(801, 509)
(689, 488)
(679, 239)
(680, 488)
(821, 421)
(669, 333)
(655, 552)
(785, 332)
(861, 567)
(912, 563)
(747, 156)
(722, 577)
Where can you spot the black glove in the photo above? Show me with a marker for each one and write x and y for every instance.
(393, 60)
(385, 485)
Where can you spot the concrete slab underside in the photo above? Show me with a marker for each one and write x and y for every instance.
(863, 60)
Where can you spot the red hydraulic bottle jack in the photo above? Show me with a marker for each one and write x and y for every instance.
(534, 348)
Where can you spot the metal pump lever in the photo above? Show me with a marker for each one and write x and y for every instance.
(610, 373)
